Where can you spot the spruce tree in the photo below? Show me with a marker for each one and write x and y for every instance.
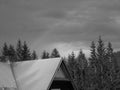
(81, 59)
(82, 65)
(26, 54)
(4, 53)
(101, 54)
(45, 55)
(21, 53)
(72, 64)
(107, 68)
(100, 49)
(93, 57)
(114, 68)
(101, 66)
(55, 53)
(34, 55)
(92, 69)
(12, 54)
(78, 79)
(110, 56)
(19, 50)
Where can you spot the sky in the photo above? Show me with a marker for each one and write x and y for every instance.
(68, 25)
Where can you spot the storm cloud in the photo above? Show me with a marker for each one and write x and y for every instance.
(44, 22)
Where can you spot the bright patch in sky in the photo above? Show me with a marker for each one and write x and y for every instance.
(65, 48)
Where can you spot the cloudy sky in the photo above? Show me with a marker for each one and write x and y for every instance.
(69, 25)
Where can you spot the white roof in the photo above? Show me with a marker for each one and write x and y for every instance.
(6, 76)
(35, 74)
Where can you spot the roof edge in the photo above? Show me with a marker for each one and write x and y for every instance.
(55, 73)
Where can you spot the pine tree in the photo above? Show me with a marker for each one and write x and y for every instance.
(82, 65)
(4, 53)
(93, 57)
(26, 54)
(72, 64)
(109, 56)
(101, 67)
(45, 55)
(34, 55)
(55, 53)
(78, 79)
(19, 50)
(21, 53)
(110, 51)
(107, 67)
(12, 54)
(114, 68)
(100, 49)
(92, 69)
(82, 61)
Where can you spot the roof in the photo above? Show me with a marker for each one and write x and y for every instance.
(35, 74)
(32, 75)
(6, 76)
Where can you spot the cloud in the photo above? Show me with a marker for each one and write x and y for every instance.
(51, 21)
(54, 14)
(81, 20)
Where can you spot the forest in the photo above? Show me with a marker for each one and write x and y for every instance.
(100, 71)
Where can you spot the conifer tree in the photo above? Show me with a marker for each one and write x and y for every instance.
(72, 64)
(114, 68)
(26, 54)
(55, 53)
(100, 49)
(107, 67)
(101, 64)
(4, 53)
(93, 57)
(100, 57)
(19, 50)
(12, 54)
(45, 55)
(34, 55)
(82, 61)
(109, 56)
(82, 65)
(78, 79)
(92, 69)
(21, 53)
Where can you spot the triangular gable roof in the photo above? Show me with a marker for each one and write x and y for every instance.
(35, 74)
(31, 75)
(7, 79)
(63, 70)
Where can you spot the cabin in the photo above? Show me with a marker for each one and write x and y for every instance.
(47, 74)
(62, 79)
(7, 81)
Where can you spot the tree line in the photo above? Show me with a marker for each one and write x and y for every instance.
(20, 52)
(100, 71)
(54, 54)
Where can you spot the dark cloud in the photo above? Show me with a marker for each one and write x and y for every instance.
(51, 21)
(54, 14)
(110, 5)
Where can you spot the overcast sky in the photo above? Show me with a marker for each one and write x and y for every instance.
(69, 25)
